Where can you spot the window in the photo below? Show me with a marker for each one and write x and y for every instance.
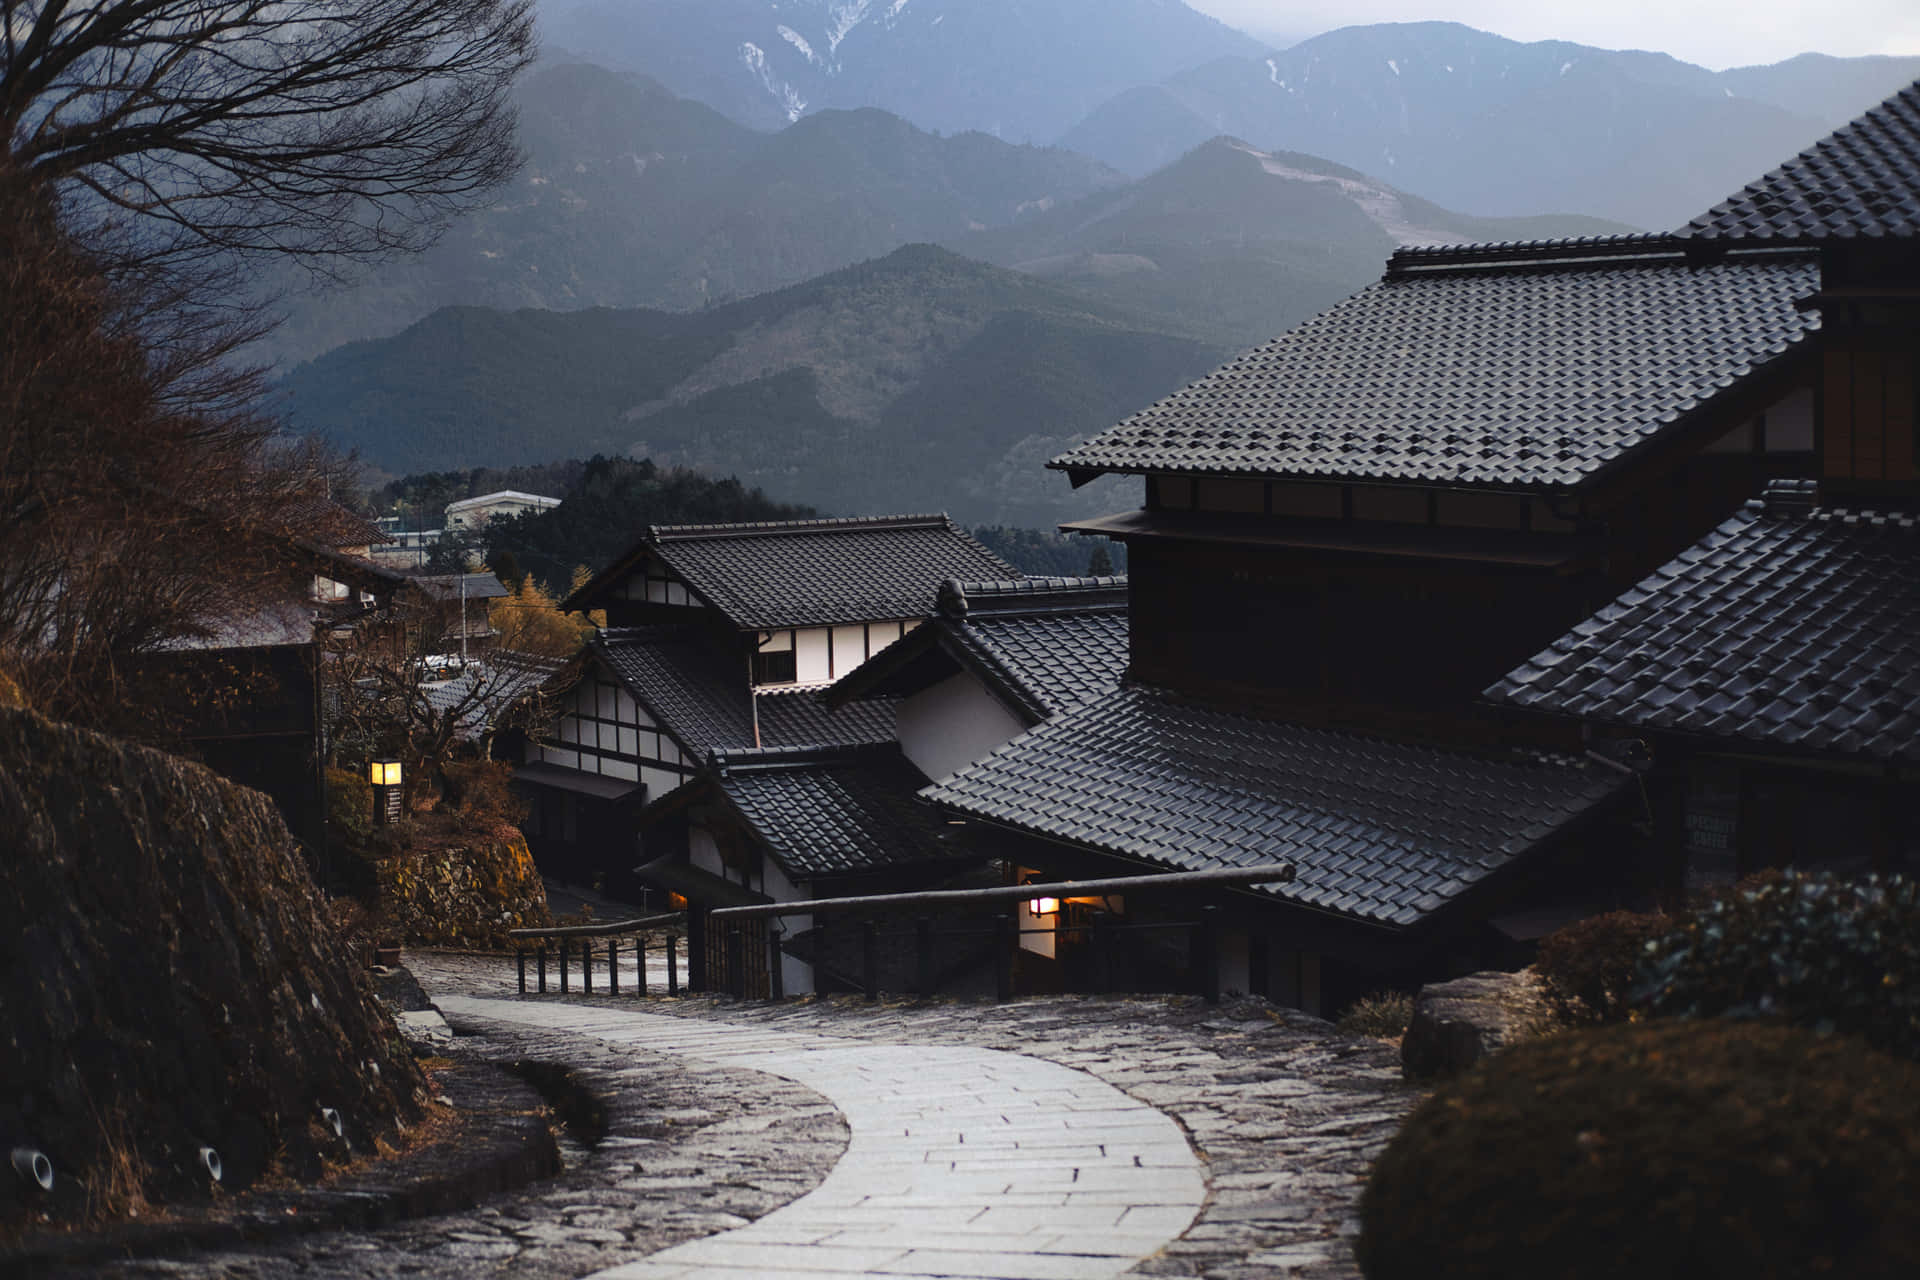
(775, 661)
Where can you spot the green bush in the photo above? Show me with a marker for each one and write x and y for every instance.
(1751, 1151)
(1823, 952)
(1587, 969)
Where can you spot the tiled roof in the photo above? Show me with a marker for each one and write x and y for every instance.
(1790, 625)
(1861, 181)
(1378, 831)
(825, 813)
(699, 694)
(810, 573)
(324, 522)
(1508, 366)
(1054, 642)
(494, 684)
(449, 586)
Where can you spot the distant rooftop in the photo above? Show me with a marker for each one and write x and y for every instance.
(1860, 182)
(1534, 366)
(803, 573)
(504, 495)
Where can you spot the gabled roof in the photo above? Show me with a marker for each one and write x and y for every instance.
(1791, 625)
(503, 495)
(444, 587)
(1381, 832)
(809, 573)
(1525, 366)
(1042, 645)
(1862, 181)
(699, 694)
(322, 521)
(836, 811)
(494, 684)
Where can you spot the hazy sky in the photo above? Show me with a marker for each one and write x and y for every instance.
(1713, 33)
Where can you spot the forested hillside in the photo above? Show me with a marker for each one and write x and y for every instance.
(922, 381)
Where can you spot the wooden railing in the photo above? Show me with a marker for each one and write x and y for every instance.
(744, 938)
(733, 949)
(585, 934)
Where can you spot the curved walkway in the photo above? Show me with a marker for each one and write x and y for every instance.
(963, 1162)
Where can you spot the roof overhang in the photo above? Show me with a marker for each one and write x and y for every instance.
(704, 887)
(1550, 553)
(540, 774)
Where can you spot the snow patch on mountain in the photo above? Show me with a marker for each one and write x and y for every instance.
(755, 60)
(842, 17)
(798, 41)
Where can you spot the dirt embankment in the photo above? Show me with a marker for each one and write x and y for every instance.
(171, 984)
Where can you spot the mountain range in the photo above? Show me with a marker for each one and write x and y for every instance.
(1023, 70)
(1493, 126)
(920, 381)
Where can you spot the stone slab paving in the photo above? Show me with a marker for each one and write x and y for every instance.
(963, 1161)
(1285, 1114)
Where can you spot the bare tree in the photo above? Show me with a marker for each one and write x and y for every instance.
(319, 129)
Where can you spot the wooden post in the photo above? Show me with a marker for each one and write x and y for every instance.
(565, 946)
(640, 959)
(1005, 940)
(923, 947)
(543, 968)
(870, 958)
(586, 959)
(520, 963)
(1208, 932)
(1100, 935)
(697, 948)
(673, 964)
(776, 972)
(613, 966)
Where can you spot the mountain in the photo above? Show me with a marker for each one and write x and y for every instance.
(1236, 245)
(1493, 126)
(1018, 69)
(635, 197)
(918, 381)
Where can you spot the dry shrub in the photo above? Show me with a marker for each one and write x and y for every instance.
(1384, 1015)
(481, 793)
(1588, 967)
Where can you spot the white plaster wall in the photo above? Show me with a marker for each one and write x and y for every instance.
(947, 726)
(796, 976)
(703, 853)
(812, 660)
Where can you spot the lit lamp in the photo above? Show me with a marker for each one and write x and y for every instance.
(1044, 906)
(385, 777)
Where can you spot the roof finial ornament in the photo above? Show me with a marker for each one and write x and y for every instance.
(953, 598)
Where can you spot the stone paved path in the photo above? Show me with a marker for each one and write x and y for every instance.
(962, 1162)
(1283, 1114)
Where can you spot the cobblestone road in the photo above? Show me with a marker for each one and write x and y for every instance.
(1283, 1116)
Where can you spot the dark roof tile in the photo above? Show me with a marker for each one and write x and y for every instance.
(1378, 830)
(1513, 366)
(1863, 180)
(810, 573)
(824, 813)
(1790, 625)
(693, 688)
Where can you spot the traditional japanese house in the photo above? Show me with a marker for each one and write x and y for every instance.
(721, 637)
(787, 824)
(1771, 672)
(245, 694)
(1346, 535)
(995, 659)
